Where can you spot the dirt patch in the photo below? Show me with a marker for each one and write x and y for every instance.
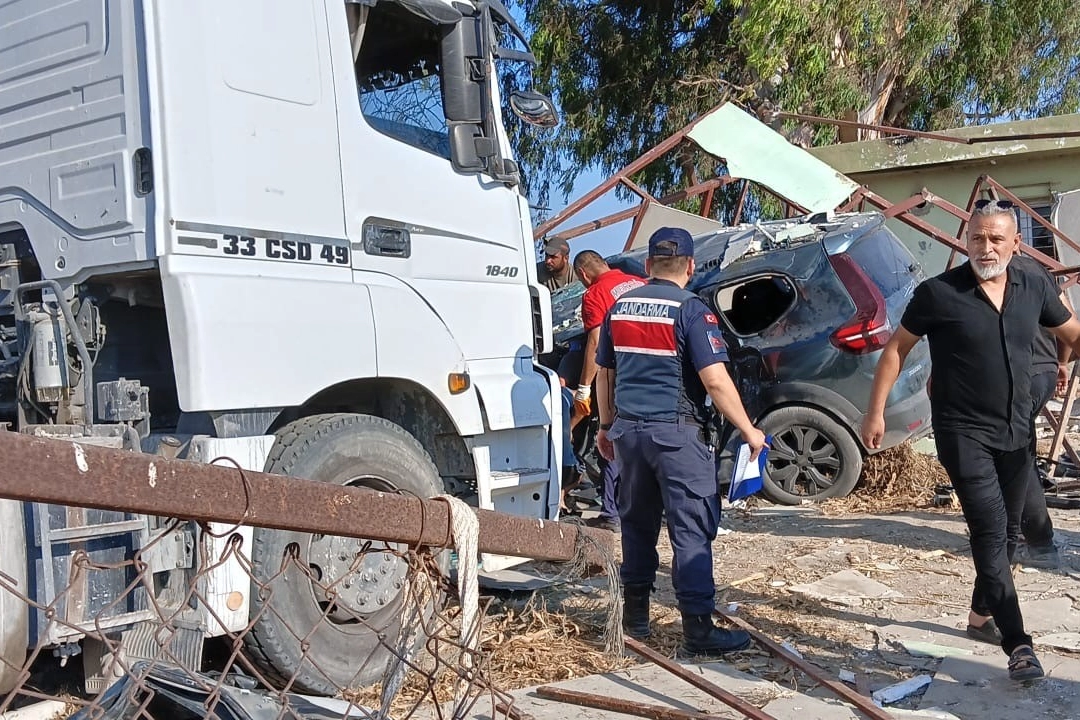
(887, 531)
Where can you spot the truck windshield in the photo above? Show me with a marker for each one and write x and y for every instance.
(397, 75)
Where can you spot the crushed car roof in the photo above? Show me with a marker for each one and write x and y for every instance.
(714, 252)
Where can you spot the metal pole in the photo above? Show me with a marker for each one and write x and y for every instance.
(742, 202)
(640, 163)
(706, 203)
(626, 707)
(964, 221)
(864, 704)
(751, 711)
(68, 473)
(881, 128)
(1034, 215)
(1064, 418)
(622, 215)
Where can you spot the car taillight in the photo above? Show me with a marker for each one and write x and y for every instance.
(868, 330)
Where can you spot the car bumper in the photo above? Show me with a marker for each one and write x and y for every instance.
(906, 420)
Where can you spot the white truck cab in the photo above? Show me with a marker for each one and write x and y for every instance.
(289, 232)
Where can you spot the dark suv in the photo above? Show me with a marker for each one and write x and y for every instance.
(807, 305)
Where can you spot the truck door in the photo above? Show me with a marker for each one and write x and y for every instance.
(455, 238)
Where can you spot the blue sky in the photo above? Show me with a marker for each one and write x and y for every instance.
(605, 241)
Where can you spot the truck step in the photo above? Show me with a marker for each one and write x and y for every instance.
(511, 478)
(90, 532)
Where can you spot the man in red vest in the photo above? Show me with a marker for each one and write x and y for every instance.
(604, 285)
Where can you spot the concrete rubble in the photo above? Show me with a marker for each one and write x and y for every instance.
(653, 685)
(958, 678)
(847, 587)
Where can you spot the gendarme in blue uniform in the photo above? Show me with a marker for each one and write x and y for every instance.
(656, 339)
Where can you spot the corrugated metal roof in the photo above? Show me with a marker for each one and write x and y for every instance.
(871, 156)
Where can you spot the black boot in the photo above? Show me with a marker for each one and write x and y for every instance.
(635, 611)
(701, 637)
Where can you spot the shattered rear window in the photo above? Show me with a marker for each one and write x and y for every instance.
(885, 261)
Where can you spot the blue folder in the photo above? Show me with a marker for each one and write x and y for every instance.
(746, 477)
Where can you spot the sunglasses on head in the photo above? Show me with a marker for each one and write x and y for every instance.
(1000, 204)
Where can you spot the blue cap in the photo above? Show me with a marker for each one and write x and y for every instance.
(671, 242)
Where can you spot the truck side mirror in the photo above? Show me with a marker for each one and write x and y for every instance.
(464, 72)
(534, 108)
(465, 141)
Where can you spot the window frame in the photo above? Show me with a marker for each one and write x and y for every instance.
(368, 119)
(743, 280)
(1028, 227)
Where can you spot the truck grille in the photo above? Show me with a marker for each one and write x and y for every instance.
(537, 321)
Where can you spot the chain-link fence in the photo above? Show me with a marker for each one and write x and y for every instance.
(112, 615)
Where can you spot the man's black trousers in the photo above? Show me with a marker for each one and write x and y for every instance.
(991, 485)
(1035, 522)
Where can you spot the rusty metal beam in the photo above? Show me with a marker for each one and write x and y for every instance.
(637, 189)
(626, 707)
(65, 473)
(743, 191)
(1034, 215)
(1066, 414)
(1066, 444)
(906, 205)
(643, 161)
(612, 219)
(706, 203)
(964, 221)
(638, 219)
(884, 129)
(904, 215)
(855, 201)
(622, 215)
(1025, 136)
(918, 224)
(751, 711)
(864, 704)
(513, 713)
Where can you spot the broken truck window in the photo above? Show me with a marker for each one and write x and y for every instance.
(397, 75)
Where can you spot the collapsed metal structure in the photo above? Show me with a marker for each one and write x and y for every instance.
(862, 198)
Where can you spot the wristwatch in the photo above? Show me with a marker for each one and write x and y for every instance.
(605, 426)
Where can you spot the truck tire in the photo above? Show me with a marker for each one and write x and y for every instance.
(14, 612)
(813, 457)
(345, 449)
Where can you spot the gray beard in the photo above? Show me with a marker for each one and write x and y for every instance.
(988, 272)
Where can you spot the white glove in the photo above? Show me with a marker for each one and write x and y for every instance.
(583, 393)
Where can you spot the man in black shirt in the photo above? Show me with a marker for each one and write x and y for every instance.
(1048, 372)
(980, 320)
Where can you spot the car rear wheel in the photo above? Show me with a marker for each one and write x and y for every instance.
(813, 457)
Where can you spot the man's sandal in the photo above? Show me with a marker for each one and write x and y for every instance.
(1023, 665)
(987, 632)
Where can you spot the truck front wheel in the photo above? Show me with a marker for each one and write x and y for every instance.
(323, 601)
